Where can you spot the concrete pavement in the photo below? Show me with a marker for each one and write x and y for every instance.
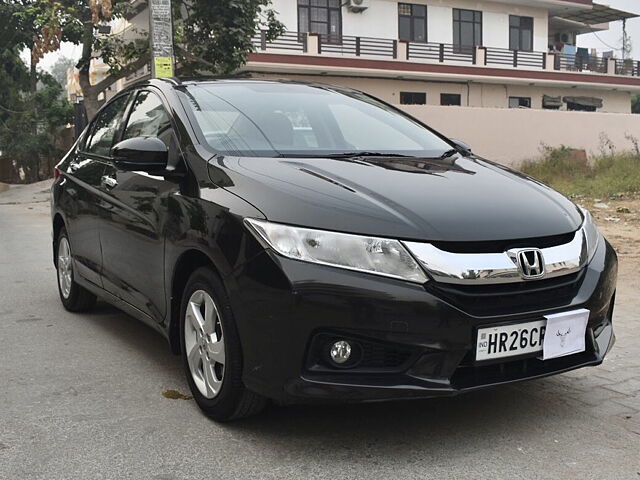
(81, 398)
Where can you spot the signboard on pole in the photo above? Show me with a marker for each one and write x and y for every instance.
(161, 38)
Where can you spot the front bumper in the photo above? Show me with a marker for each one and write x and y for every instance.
(421, 342)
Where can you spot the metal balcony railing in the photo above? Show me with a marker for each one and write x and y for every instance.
(286, 41)
(441, 52)
(579, 63)
(358, 46)
(628, 67)
(515, 58)
(355, 46)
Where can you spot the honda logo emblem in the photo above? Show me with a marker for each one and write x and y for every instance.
(531, 263)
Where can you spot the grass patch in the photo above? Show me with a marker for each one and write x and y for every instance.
(606, 176)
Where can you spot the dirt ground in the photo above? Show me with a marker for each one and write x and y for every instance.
(619, 221)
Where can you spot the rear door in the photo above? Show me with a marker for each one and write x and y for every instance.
(82, 204)
(132, 235)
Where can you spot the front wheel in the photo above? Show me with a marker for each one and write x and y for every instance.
(211, 352)
(74, 297)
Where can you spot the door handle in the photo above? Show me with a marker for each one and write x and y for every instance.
(108, 181)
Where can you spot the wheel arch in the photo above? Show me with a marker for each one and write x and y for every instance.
(58, 225)
(186, 264)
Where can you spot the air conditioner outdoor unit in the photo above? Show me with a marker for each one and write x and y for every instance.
(357, 6)
(564, 37)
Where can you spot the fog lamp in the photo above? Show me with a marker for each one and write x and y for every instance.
(340, 352)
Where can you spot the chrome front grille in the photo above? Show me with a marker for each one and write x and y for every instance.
(500, 267)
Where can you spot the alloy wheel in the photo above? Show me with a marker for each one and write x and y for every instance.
(65, 267)
(204, 343)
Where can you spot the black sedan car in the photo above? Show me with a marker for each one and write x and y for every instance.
(308, 243)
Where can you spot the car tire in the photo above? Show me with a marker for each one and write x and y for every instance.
(208, 339)
(74, 297)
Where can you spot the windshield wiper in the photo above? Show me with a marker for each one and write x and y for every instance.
(449, 153)
(365, 154)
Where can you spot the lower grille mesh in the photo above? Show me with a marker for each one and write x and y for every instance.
(497, 299)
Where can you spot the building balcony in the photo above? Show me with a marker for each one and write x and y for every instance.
(333, 54)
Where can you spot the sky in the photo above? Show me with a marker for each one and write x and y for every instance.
(603, 41)
(613, 37)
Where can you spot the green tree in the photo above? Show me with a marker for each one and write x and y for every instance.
(32, 108)
(38, 26)
(123, 57)
(215, 36)
(212, 36)
(29, 121)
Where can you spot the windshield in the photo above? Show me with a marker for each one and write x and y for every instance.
(284, 119)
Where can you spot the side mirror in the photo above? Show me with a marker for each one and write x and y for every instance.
(461, 145)
(147, 154)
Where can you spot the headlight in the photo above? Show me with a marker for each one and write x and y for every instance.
(590, 232)
(379, 256)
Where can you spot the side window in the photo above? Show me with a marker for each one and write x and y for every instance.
(149, 118)
(105, 127)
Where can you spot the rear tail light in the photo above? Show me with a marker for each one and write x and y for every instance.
(56, 173)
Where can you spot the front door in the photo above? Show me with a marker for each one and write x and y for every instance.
(133, 233)
(84, 176)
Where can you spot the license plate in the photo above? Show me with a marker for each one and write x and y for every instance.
(510, 340)
(566, 336)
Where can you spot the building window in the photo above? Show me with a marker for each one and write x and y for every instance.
(519, 102)
(322, 17)
(413, 98)
(578, 107)
(412, 22)
(521, 33)
(467, 29)
(450, 99)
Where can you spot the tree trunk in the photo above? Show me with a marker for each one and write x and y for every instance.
(90, 92)
(90, 100)
(33, 78)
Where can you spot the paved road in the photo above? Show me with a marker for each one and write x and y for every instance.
(81, 398)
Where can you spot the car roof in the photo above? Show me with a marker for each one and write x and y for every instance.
(175, 82)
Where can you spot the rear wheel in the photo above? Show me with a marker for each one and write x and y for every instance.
(74, 297)
(211, 352)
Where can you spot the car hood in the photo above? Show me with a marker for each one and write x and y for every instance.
(453, 199)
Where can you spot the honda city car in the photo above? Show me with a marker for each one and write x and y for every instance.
(308, 243)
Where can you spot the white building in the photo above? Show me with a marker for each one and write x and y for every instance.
(512, 68)
(454, 52)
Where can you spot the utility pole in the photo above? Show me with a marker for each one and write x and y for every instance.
(626, 43)
(161, 39)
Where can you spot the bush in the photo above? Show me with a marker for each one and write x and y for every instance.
(607, 175)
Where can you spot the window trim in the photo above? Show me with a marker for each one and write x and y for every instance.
(153, 90)
(331, 39)
(116, 137)
(412, 17)
(132, 102)
(457, 43)
(521, 31)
